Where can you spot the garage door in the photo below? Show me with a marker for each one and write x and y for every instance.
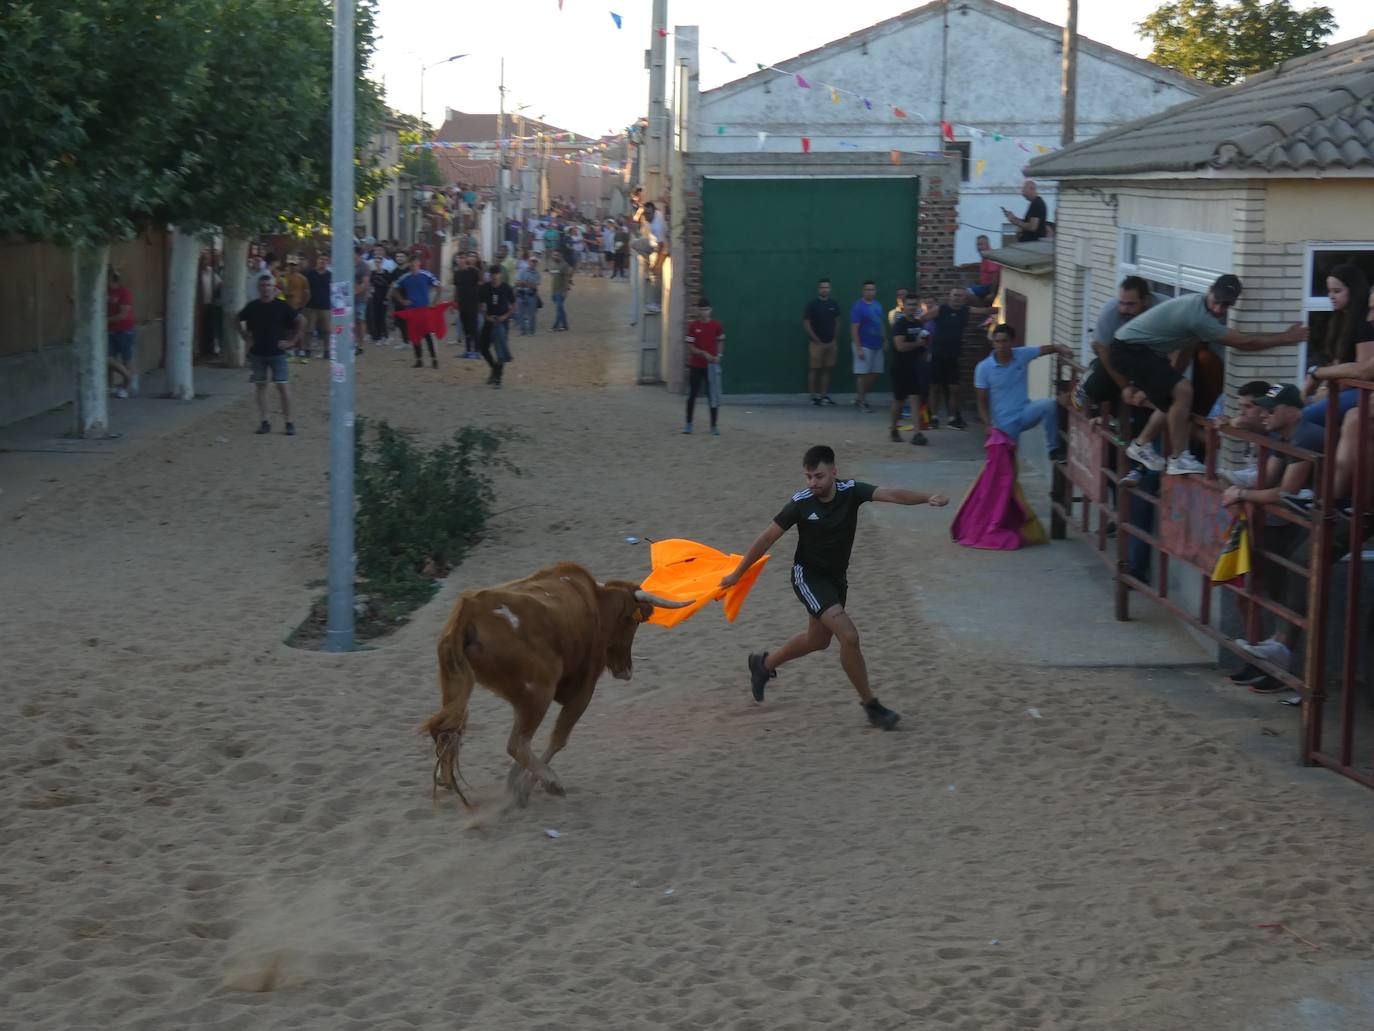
(766, 242)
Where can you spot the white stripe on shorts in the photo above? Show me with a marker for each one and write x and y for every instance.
(806, 591)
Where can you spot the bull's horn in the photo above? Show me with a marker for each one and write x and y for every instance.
(660, 603)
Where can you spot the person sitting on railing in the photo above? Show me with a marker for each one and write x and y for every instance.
(1250, 418)
(1102, 384)
(1142, 350)
(1286, 476)
(1349, 341)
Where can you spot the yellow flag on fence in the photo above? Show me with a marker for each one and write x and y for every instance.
(1234, 560)
(978, 167)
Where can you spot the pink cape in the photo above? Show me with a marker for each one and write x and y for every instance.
(995, 515)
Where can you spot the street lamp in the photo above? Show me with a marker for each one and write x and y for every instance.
(424, 127)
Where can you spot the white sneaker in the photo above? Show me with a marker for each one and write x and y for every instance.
(1184, 464)
(1146, 456)
(1271, 651)
(120, 392)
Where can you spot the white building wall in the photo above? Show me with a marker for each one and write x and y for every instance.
(1003, 73)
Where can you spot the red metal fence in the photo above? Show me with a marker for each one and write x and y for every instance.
(1096, 492)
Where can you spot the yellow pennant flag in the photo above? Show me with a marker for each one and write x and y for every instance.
(834, 96)
(978, 167)
(1234, 560)
(1042, 148)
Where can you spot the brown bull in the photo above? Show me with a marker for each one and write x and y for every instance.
(534, 641)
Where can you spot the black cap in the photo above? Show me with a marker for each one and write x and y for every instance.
(1226, 289)
(1281, 394)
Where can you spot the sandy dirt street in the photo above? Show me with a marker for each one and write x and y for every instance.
(205, 828)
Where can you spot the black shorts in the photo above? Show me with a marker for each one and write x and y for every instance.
(1099, 387)
(910, 377)
(1147, 369)
(816, 591)
(944, 368)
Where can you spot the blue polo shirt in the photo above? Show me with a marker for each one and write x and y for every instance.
(1006, 385)
(871, 319)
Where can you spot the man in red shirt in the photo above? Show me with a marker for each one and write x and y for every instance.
(705, 349)
(119, 315)
(989, 272)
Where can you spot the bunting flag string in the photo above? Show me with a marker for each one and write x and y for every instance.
(615, 18)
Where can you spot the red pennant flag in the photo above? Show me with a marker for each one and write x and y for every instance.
(806, 144)
(803, 83)
(895, 156)
(899, 112)
(663, 32)
(947, 131)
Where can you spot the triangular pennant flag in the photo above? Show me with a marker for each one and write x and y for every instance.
(760, 67)
(615, 18)
(834, 95)
(997, 136)
(899, 112)
(947, 131)
(868, 104)
(978, 167)
(727, 57)
(662, 32)
(1042, 149)
(895, 157)
(1022, 145)
(763, 138)
(802, 82)
(806, 144)
(720, 130)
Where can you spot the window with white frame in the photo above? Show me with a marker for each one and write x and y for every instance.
(1316, 303)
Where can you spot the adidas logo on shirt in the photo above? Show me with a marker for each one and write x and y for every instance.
(813, 515)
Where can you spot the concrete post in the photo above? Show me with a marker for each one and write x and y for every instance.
(91, 339)
(182, 270)
(234, 293)
(676, 303)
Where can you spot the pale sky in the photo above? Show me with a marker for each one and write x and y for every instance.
(580, 72)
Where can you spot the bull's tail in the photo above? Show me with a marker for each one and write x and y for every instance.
(456, 681)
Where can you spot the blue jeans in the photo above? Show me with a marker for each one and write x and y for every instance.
(1045, 412)
(1141, 514)
(1316, 412)
(560, 316)
(526, 305)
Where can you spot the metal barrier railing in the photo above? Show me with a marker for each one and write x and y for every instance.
(1190, 523)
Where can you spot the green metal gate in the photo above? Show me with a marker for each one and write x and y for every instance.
(765, 242)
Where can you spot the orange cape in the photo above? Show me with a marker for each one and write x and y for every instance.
(687, 570)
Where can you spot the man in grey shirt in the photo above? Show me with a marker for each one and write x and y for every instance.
(1102, 384)
(1150, 350)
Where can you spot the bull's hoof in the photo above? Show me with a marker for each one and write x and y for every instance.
(554, 786)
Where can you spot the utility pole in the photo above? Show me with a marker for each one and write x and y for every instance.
(654, 174)
(1069, 85)
(501, 169)
(339, 630)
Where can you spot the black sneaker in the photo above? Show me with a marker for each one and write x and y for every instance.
(919, 438)
(1248, 675)
(1269, 686)
(419, 364)
(290, 429)
(894, 436)
(879, 715)
(1299, 503)
(957, 423)
(934, 422)
(264, 427)
(434, 363)
(816, 400)
(827, 400)
(758, 675)
(1059, 456)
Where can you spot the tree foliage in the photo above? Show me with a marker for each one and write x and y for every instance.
(418, 163)
(118, 113)
(93, 95)
(1221, 43)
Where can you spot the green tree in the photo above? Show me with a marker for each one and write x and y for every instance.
(93, 97)
(1222, 43)
(417, 162)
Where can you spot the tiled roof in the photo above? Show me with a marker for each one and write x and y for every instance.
(1312, 113)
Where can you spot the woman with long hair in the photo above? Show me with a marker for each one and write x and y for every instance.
(1349, 340)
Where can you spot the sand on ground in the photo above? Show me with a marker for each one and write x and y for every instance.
(205, 828)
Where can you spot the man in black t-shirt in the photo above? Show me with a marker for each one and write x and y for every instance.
(269, 326)
(467, 283)
(497, 301)
(910, 369)
(826, 516)
(1035, 223)
(946, 345)
(820, 320)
